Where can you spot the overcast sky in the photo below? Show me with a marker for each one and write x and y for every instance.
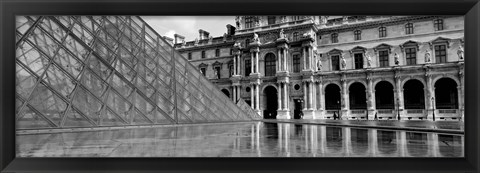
(188, 26)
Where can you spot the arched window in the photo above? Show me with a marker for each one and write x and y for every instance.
(438, 24)
(270, 65)
(334, 38)
(409, 28)
(382, 32)
(357, 34)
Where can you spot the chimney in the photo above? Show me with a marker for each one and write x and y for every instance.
(230, 30)
(169, 40)
(203, 34)
(179, 38)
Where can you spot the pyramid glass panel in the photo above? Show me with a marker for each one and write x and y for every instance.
(89, 71)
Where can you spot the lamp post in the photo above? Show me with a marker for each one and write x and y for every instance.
(433, 107)
(398, 108)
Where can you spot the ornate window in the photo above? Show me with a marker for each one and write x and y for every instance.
(249, 21)
(409, 28)
(335, 62)
(270, 65)
(271, 20)
(357, 35)
(382, 32)
(358, 60)
(217, 52)
(411, 56)
(438, 24)
(296, 63)
(217, 66)
(440, 53)
(203, 54)
(248, 67)
(296, 36)
(383, 58)
(334, 38)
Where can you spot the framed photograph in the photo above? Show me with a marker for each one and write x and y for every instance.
(239, 86)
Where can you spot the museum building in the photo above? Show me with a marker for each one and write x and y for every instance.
(350, 67)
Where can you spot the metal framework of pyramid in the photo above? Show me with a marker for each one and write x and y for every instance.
(91, 71)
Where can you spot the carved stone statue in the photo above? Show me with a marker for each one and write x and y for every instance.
(344, 63)
(224, 37)
(323, 20)
(196, 42)
(216, 74)
(210, 39)
(345, 19)
(183, 43)
(427, 56)
(397, 62)
(237, 21)
(319, 64)
(284, 19)
(282, 34)
(258, 21)
(369, 60)
(460, 52)
(255, 37)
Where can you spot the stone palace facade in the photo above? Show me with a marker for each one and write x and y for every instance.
(352, 67)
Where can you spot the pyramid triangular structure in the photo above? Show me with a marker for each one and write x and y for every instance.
(110, 71)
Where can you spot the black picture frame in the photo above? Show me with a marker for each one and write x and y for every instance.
(10, 8)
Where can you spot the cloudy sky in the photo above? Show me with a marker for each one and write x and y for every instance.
(188, 26)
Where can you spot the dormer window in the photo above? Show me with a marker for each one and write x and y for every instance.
(438, 24)
(409, 28)
(334, 38)
(357, 35)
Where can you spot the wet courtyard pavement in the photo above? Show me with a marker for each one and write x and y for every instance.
(250, 139)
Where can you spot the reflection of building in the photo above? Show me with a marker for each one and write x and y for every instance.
(353, 66)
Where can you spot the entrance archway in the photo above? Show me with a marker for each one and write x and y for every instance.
(358, 96)
(225, 91)
(271, 102)
(413, 94)
(446, 95)
(332, 97)
(384, 95)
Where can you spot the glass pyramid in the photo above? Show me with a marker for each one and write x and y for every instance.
(90, 71)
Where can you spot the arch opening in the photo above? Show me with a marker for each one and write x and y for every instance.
(270, 102)
(332, 97)
(413, 95)
(384, 98)
(446, 95)
(358, 96)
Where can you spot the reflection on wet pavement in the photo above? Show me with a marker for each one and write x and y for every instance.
(242, 140)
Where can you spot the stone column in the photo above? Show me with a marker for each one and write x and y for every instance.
(234, 95)
(256, 63)
(311, 90)
(252, 99)
(461, 94)
(235, 65)
(315, 95)
(285, 96)
(345, 101)
(257, 98)
(304, 58)
(277, 65)
(321, 100)
(285, 59)
(305, 95)
(371, 98)
(399, 93)
(430, 93)
(280, 106)
(252, 62)
(347, 141)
